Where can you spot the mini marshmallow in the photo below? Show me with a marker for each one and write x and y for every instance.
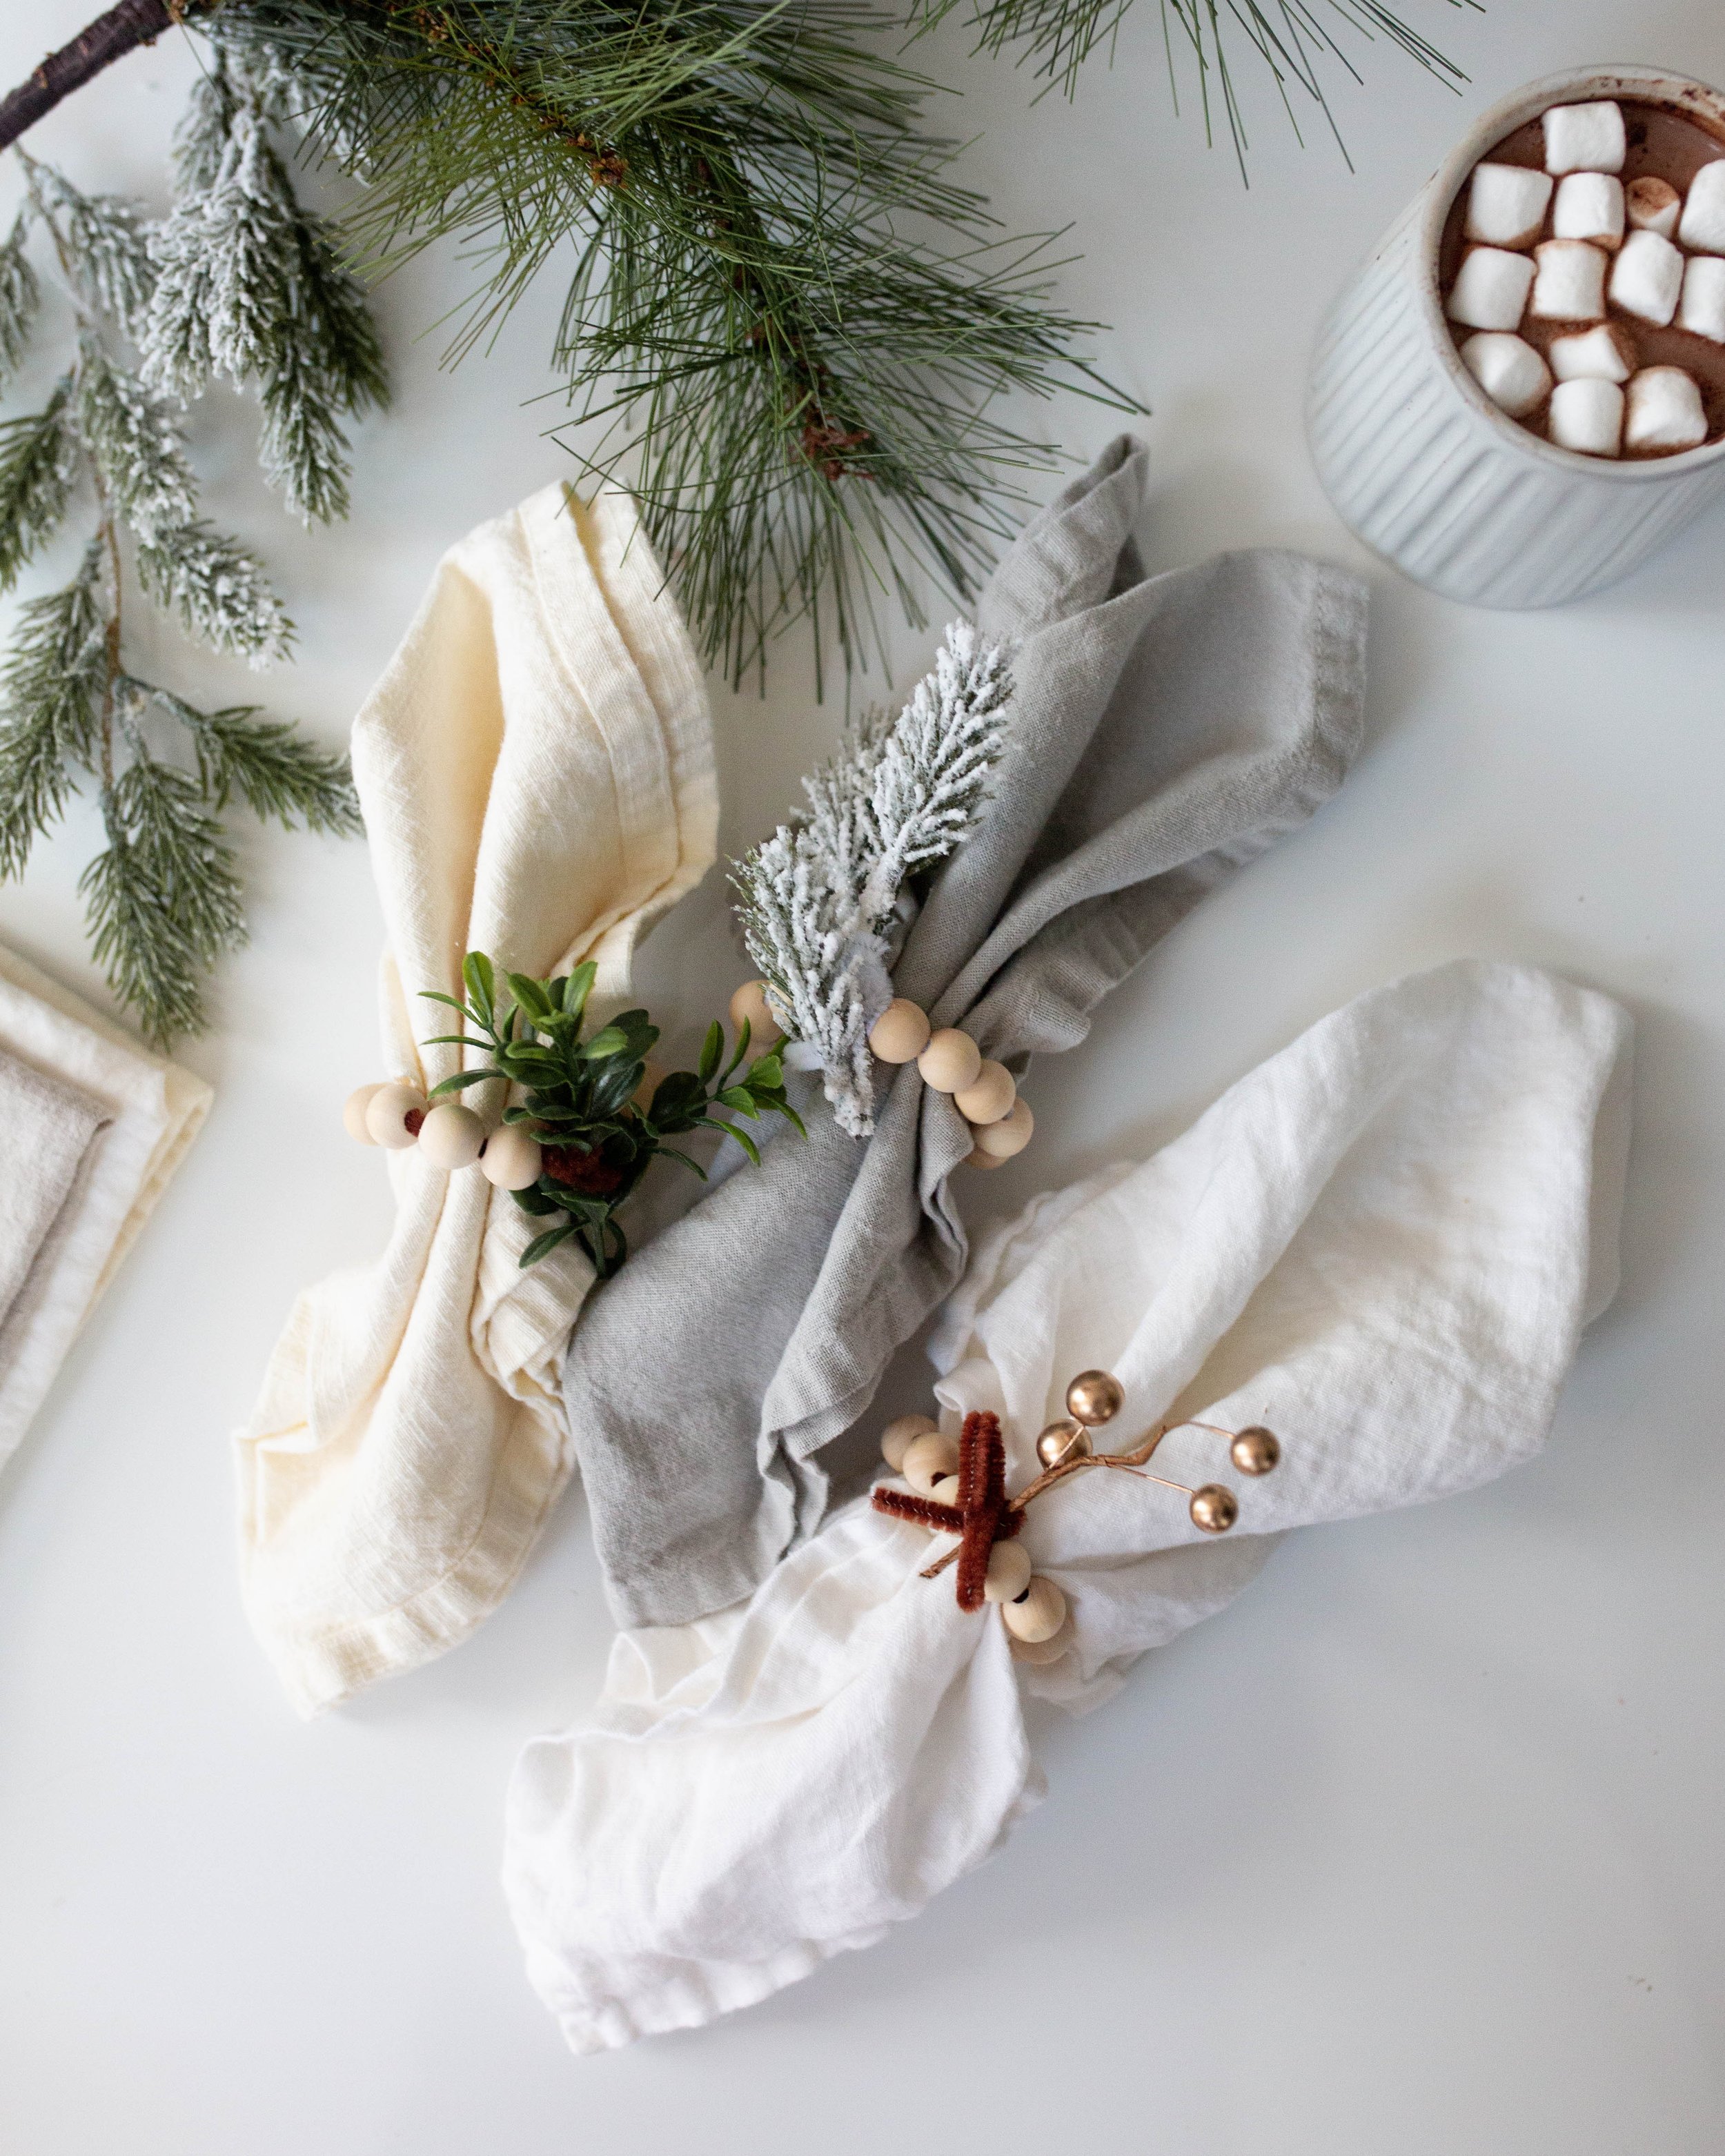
(1584, 138)
(1589, 206)
(1665, 411)
(1606, 354)
(1570, 286)
(1652, 205)
(1587, 414)
(1506, 204)
(1491, 289)
(1508, 369)
(1703, 224)
(1703, 304)
(1646, 277)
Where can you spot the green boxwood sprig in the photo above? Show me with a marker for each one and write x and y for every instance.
(582, 1098)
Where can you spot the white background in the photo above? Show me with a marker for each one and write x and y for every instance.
(1416, 1849)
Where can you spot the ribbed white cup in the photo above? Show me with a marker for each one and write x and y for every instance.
(1424, 467)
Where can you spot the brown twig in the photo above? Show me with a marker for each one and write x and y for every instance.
(110, 38)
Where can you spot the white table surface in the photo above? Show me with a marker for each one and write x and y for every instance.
(1416, 1848)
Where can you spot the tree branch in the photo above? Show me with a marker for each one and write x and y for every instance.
(110, 38)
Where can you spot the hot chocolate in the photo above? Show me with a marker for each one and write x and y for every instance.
(1583, 273)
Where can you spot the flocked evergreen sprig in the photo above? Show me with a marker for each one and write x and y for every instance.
(163, 897)
(819, 901)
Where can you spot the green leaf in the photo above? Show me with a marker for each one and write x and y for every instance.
(768, 1072)
(541, 1246)
(533, 1200)
(38, 458)
(460, 1081)
(671, 1153)
(784, 1108)
(740, 1098)
(480, 976)
(578, 987)
(276, 772)
(746, 1142)
(608, 1040)
(530, 995)
(437, 996)
(712, 1049)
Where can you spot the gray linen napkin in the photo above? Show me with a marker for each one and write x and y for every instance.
(46, 1127)
(1165, 732)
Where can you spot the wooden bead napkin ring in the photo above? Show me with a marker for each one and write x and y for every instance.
(961, 1490)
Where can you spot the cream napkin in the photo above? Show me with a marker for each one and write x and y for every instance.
(536, 769)
(1383, 1244)
(92, 1125)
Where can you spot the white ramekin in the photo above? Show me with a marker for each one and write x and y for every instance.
(1420, 463)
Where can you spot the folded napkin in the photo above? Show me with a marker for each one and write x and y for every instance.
(1383, 1244)
(536, 770)
(92, 1125)
(1163, 733)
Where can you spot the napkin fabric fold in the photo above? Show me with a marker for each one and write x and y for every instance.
(536, 770)
(92, 1127)
(1163, 733)
(1383, 1244)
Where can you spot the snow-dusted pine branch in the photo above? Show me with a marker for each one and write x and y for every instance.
(818, 901)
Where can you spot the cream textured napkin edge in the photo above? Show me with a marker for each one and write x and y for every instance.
(157, 1109)
(626, 661)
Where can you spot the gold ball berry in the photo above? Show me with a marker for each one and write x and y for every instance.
(750, 1004)
(901, 1033)
(1256, 1451)
(1063, 1440)
(897, 1438)
(1213, 1508)
(1095, 1396)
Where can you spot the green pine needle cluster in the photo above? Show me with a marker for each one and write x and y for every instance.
(797, 327)
(585, 1098)
(163, 897)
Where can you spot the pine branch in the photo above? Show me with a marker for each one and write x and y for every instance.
(52, 680)
(38, 464)
(798, 387)
(817, 900)
(20, 296)
(110, 38)
(275, 770)
(137, 447)
(103, 244)
(219, 590)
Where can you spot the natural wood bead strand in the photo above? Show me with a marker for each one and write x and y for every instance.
(1038, 1614)
(1008, 1572)
(951, 1060)
(510, 1158)
(989, 1097)
(451, 1136)
(1011, 1135)
(750, 1005)
(928, 1460)
(393, 1116)
(897, 1438)
(353, 1114)
(901, 1033)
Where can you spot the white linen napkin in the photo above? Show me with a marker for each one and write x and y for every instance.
(92, 1125)
(1382, 1243)
(536, 770)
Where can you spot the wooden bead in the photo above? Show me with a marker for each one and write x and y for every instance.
(510, 1158)
(989, 1097)
(945, 1489)
(975, 1158)
(393, 1116)
(1063, 1440)
(1256, 1451)
(1011, 1135)
(1043, 1651)
(901, 1033)
(353, 1116)
(896, 1438)
(749, 1006)
(1095, 1396)
(927, 1459)
(951, 1060)
(1008, 1572)
(451, 1136)
(1214, 1508)
(1037, 1613)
